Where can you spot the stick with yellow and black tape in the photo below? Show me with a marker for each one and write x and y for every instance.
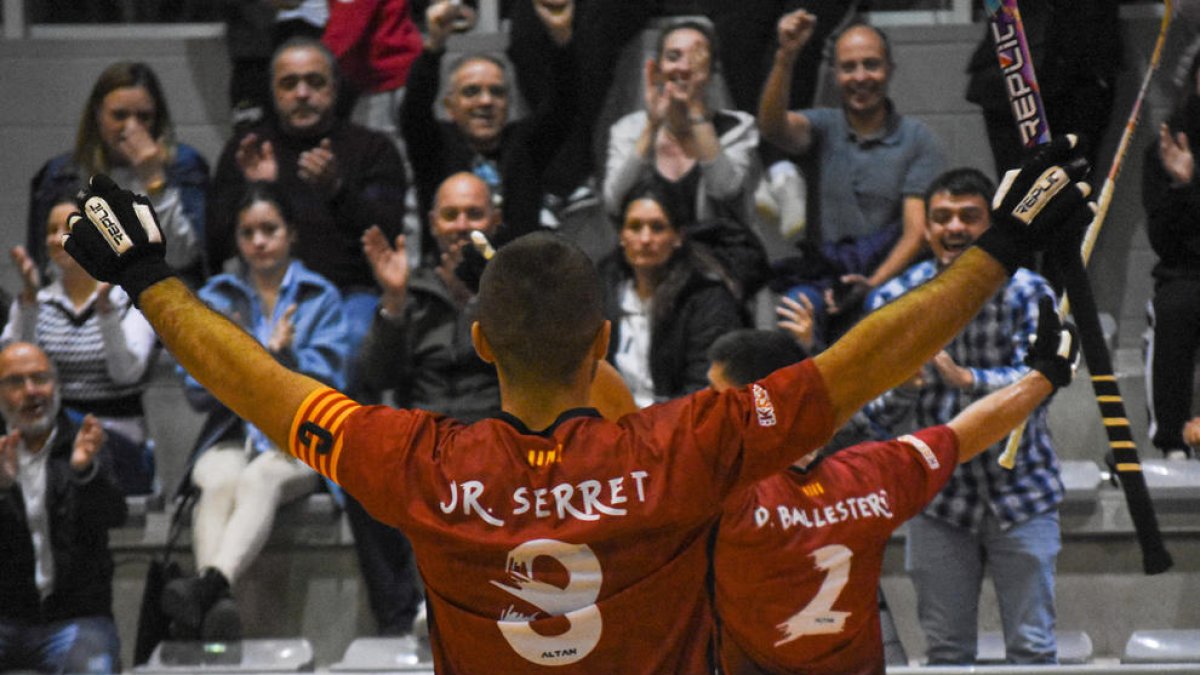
(1155, 557)
(1012, 51)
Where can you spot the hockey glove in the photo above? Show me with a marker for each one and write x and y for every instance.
(1055, 349)
(1033, 206)
(116, 238)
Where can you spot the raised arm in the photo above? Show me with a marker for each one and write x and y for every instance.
(1052, 359)
(788, 130)
(120, 242)
(226, 360)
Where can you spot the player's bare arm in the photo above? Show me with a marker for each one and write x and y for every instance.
(888, 347)
(986, 421)
(1053, 358)
(230, 363)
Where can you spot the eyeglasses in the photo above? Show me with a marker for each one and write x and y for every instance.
(14, 382)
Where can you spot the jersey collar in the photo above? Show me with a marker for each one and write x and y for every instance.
(548, 431)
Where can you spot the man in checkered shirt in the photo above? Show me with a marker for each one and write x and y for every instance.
(985, 515)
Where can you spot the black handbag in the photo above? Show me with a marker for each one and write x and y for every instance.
(153, 623)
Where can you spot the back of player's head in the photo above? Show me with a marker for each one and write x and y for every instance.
(540, 307)
(748, 354)
(962, 182)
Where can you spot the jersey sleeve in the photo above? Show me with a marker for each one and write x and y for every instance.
(729, 440)
(924, 461)
(371, 451)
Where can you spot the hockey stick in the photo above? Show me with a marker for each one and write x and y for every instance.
(1013, 53)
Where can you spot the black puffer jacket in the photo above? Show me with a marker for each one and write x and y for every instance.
(691, 308)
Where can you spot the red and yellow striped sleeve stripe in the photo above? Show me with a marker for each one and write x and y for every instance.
(317, 430)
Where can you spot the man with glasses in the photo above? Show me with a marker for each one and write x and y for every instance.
(510, 156)
(873, 164)
(58, 497)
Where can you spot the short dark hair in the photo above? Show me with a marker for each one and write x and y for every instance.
(961, 182)
(652, 189)
(749, 354)
(306, 42)
(858, 23)
(702, 27)
(540, 307)
(262, 191)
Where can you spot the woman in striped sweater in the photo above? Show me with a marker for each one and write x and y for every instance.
(99, 342)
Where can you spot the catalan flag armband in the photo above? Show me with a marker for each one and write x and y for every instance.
(316, 433)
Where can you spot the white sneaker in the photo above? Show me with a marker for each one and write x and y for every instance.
(1176, 454)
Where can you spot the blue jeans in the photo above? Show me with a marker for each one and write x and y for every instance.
(946, 564)
(83, 645)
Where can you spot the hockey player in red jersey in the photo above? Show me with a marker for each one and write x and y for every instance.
(798, 555)
(548, 536)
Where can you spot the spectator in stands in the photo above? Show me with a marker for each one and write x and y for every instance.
(798, 556)
(667, 298)
(58, 498)
(375, 43)
(419, 346)
(243, 478)
(985, 516)
(1171, 197)
(510, 156)
(747, 36)
(874, 167)
(101, 345)
(706, 156)
(340, 177)
(254, 29)
(125, 131)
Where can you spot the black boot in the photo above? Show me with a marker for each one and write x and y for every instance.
(187, 600)
(222, 623)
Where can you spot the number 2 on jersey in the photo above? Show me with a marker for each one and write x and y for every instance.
(818, 617)
(576, 602)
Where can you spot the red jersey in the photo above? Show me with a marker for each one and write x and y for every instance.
(798, 555)
(583, 547)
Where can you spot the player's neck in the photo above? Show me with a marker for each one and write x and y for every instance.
(539, 406)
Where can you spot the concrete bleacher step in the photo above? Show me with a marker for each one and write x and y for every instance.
(1074, 647)
(1081, 479)
(286, 655)
(376, 654)
(1163, 646)
(1176, 481)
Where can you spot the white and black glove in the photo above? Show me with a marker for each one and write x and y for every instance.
(1041, 206)
(1055, 349)
(116, 237)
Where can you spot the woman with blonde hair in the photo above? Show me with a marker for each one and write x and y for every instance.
(125, 131)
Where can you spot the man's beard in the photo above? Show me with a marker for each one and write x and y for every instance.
(40, 425)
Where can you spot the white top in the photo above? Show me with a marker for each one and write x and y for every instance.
(315, 12)
(183, 244)
(31, 474)
(632, 358)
